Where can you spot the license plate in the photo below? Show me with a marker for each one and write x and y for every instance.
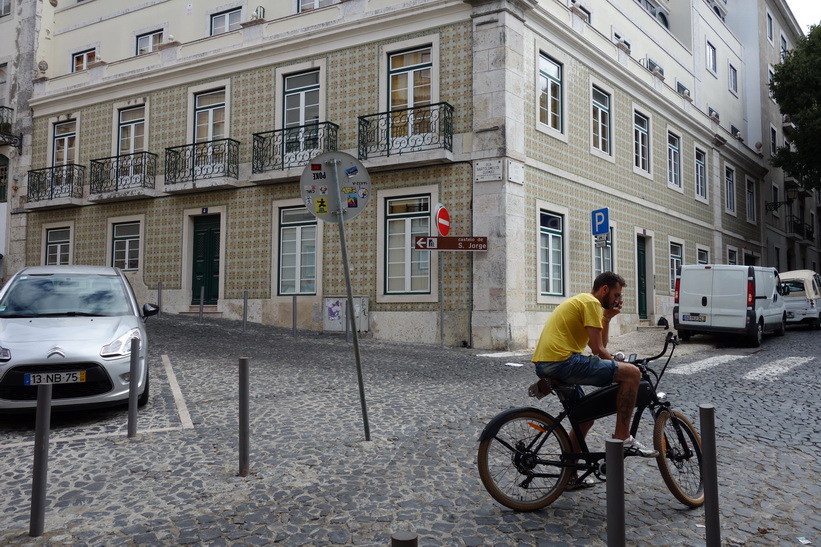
(39, 378)
(699, 318)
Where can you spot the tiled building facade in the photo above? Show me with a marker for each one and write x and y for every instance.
(169, 138)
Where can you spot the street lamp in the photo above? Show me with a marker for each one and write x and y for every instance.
(792, 193)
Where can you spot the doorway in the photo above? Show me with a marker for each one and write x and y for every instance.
(641, 275)
(205, 260)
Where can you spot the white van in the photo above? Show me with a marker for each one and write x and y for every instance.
(730, 299)
(802, 302)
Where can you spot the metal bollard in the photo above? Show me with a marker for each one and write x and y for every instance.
(244, 416)
(42, 423)
(615, 493)
(133, 379)
(293, 310)
(709, 474)
(202, 301)
(244, 310)
(404, 539)
(159, 297)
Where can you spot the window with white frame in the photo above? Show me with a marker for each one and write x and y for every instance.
(309, 5)
(551, 253)
(702, 256)
(712, 59)
(641, 141)
(676, 259)
(410, 88)
(603, 256)
(209, 116)
(80, 61)
(783, 46)
(550, 93)
(673, 159)
(732, 79)
(769, 27)
(131, 131)
(701, 173)
(4, 78)
(752, 201)
(297, 251)
(407, 269)
(773, 141)
(601, 120)
(125, 246)
(729, 189)
(146, 43)
(5, 8)
(732, 257)
(58, 243)
(64, 149)
(301, 113)
(225, 21)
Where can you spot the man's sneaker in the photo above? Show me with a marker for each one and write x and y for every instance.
(634, 448)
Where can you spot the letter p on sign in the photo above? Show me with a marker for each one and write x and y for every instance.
(600, 221)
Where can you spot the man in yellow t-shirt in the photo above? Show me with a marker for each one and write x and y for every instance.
(583, 321)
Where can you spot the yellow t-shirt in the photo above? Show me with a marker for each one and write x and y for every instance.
(565, 332)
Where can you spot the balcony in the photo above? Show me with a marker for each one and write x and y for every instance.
(787, 126)
(6, 124)
(130, 176)
(58, 186)
(292, 147)
(809, 232)
(795, 227)
(406, 131)
(202, 166)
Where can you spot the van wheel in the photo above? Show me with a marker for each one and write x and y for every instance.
(756, 339)
(684, 335)
(780, 331)
(816, 324)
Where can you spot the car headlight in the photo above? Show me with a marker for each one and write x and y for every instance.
(5, 354)
(121, 346)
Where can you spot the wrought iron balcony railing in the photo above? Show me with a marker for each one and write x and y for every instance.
(293, 146)
(60, 181)
(406, 130)
(809, 232)
(124, 172)
(202, 160)
(6, 124)
(795, 225)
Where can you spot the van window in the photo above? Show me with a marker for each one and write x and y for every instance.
(796, 287)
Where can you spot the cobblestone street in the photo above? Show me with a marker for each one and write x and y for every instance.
(315, 480)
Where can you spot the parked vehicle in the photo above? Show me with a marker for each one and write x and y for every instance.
(729, 299)
(802, 301)
(70, 326)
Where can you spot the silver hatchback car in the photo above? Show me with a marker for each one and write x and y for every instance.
(70, 326)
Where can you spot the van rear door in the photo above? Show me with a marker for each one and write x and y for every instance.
(695, 286)
(729, 302)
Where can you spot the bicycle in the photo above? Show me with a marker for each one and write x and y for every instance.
(525, 456)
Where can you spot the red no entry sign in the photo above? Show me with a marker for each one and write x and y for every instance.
(442, 220)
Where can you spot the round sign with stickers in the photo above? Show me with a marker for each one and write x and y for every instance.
(335, 182)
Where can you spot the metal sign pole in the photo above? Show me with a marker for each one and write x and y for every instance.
(351, 319)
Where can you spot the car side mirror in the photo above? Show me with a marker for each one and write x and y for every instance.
(149, 310)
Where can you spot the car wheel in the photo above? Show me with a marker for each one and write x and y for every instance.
(757, 337)
(144, 396)
(780, 331)
(815, 324)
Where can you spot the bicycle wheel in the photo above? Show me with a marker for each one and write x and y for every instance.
(679, 458)
(521, 466)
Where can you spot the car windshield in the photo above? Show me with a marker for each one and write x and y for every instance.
(64, 295)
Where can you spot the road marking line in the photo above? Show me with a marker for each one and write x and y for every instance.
(775, 369)
(705, 364)
(179, 401)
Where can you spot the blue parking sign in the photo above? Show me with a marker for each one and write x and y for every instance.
(600, 221)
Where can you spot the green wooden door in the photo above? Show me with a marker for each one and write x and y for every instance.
(205, 271)
(641, 276)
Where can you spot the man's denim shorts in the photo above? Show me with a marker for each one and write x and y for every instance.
(587, 370)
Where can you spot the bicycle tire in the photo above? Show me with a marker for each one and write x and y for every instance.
(511, 472)
(681, 472)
